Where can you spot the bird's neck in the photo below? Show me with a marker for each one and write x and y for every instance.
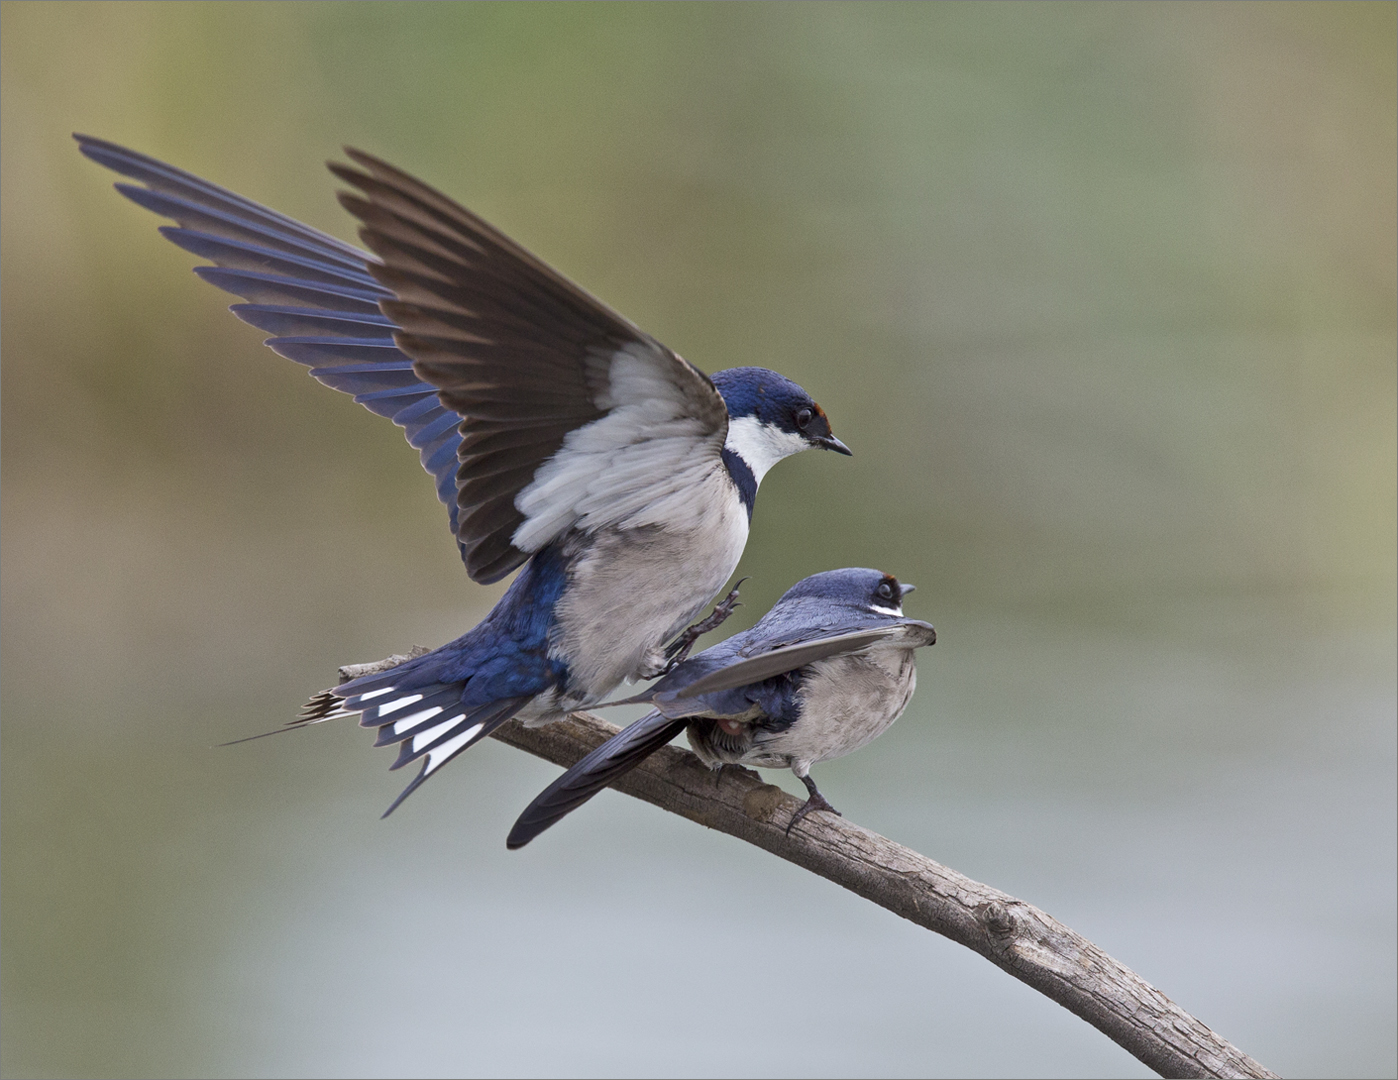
(743, 478)
(752, 448)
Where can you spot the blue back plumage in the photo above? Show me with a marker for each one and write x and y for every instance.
(775, 697)
(507, 654)
(504, 655)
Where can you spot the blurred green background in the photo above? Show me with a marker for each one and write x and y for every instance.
(1103, 298)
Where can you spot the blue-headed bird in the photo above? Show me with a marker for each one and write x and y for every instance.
(563, 440)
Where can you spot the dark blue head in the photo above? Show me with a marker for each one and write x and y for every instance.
(856, 587)
(770, 417)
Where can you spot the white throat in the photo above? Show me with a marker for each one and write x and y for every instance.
(761, 445)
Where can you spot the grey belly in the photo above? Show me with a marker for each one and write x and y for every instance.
(847, 701)
(630, 592)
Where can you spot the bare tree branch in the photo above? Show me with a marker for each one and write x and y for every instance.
(1032, 946)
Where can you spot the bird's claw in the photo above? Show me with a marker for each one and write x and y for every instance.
(817, 801)
(678, 650)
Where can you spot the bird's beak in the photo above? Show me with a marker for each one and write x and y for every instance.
(829, 442)
(907, 589)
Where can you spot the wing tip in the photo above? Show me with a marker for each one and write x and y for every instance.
(520, 835)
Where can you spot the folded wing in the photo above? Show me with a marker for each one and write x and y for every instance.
(675, 694)
(614, 758)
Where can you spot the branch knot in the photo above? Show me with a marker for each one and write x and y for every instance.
(1000, 924)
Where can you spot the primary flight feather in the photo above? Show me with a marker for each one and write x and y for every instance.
(562, 439)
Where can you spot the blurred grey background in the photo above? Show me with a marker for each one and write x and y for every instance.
(1103, 298)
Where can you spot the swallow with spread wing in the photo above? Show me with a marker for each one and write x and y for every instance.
(563, 439)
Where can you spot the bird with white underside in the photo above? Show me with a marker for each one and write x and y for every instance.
(823, 673)
(565, 442)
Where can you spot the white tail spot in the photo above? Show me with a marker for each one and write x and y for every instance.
(408, 722)
(394, 706)
(376, 693)
(425, 738)
(439, 756)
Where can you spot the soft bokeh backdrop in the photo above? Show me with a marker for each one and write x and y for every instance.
(1103, 298)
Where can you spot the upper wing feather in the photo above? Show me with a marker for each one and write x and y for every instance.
(535, 407)
(573, 418)
(310, 290)
(783, 658)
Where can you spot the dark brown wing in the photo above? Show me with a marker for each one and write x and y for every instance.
(526, 357)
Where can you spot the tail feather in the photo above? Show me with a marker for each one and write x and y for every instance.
(423, 714)
(410, 704)
(427, 720)
(613, 759)
(461, 733)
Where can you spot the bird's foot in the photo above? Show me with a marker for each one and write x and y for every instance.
(817, 801)
(678, 650)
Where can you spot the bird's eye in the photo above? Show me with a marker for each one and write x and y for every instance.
(886, 591)
(803, 418)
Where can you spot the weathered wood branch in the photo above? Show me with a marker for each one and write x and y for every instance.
(1032, 946)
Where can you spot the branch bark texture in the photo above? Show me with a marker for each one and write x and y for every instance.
(1032, 946)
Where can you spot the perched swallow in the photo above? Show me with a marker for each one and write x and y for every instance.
(827, 670)
(562, 439)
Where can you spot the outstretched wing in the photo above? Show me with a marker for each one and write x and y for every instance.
(535, 407)
(615, 757)
(310, 290)
(573, 418)
(738, 670)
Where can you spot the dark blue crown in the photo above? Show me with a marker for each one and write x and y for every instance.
(856, 586)
(754, 391)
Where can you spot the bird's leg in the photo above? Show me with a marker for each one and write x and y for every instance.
(815, 802)
(678, 650)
